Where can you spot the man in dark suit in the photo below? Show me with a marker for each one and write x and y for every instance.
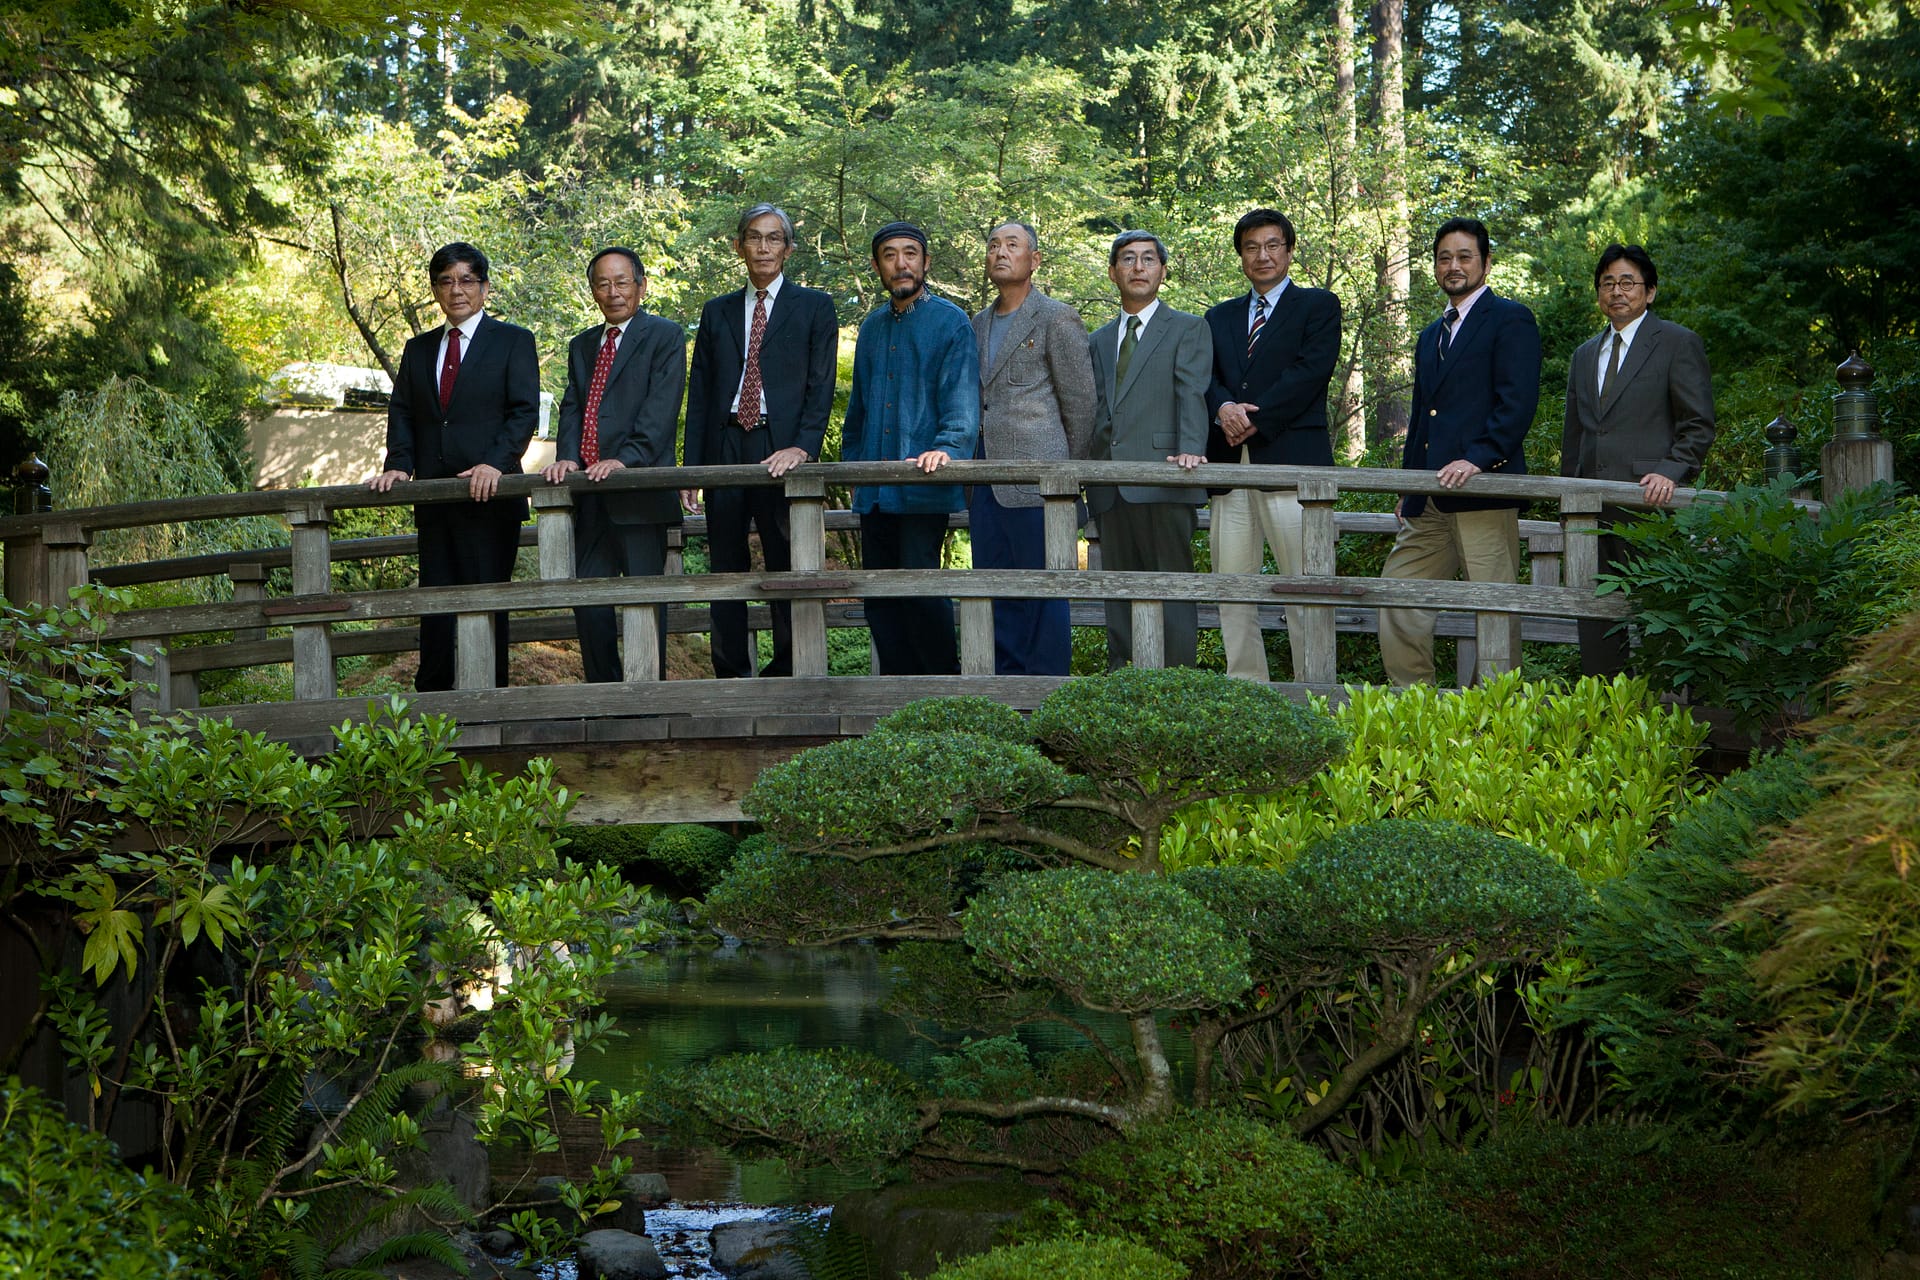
(1639, 408)
(465, 403)
(1476, 384)
(775, 344)
(1151, 369)
(624, 380)
(1274, 349)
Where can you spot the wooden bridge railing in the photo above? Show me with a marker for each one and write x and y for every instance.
(47, 555)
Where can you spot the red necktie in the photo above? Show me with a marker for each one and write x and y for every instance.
(450, 370)
(590, 421)
(749, 411)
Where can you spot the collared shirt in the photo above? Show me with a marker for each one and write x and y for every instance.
(916, 387)
(1145, 315)
(1273, 300)
(466, 328)
(1463, 306)
(773, 292)
(1606, 348)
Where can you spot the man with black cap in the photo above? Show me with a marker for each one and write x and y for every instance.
(915, 398)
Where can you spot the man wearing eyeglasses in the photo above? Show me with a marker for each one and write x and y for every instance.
(759, 393)
(465, 403)
(1639, 408)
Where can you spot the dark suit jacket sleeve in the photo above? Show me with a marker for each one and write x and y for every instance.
(1690, 390)
(1413, 454)
(400, 412)
(650, 442)
(1287, 391)
(701, 376)
(1070, 367)
(823, 367)
(520, 415)
(566, 444)
(1515, 390)
(1192, 375)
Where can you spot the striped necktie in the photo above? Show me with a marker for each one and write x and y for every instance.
(1259, 320)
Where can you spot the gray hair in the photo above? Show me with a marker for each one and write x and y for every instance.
(1033, 237)
(1126, 238)
(761, 210)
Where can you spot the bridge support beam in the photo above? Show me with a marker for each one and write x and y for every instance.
(313, 673)
(1310, 627)
(807, 532)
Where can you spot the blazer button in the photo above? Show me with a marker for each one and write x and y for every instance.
(1433, 413)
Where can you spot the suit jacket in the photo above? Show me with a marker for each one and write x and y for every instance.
(1158, 410)
(1286, 374)
(490, 418)
(1658, 420)
(1479, 404)
(1036, 401)
(639, 409)
(799, 358)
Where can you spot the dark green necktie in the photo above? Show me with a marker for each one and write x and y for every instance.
(1127, 344)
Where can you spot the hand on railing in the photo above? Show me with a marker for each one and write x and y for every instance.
(482, 481)
(1657, 487)
(386, 480)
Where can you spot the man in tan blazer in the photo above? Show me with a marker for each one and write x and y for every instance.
(1036, 401)
(1639, 408)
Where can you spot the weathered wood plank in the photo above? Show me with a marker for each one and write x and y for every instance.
(976, 637)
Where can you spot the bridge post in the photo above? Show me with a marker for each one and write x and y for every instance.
(1858, 455)
(1310, 627)
(26, 570)
(1149, 633)
(1061, 498)
(249, 579)
(66, 544)
(1580, 531)
(807, 532)
(553, 528)
(313, 674)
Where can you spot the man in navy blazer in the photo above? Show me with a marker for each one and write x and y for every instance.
(465, 403)
(624, 380)
(1476, 384)
(1274, 349)
(797, 361)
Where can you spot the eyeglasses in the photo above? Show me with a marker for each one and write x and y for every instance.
(1619, 284)
(1263, 248)
(614, 285)
(459, 282)
(772, 239)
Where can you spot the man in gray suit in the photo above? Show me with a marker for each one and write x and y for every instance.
(624, 380)
(1151, 369)
(1639, 408)
(1036, 401)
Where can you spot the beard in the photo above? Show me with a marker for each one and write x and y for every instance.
(904, 285)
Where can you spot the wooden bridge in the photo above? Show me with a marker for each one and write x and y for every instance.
(651, 749)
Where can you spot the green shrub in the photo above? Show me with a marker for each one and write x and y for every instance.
(69, 1208)
(691, 852)
(1082, 1258)
(768, 893)
(1750, 602)
(1588, 774)
(968, 714)
(1593, 1203)
(619, 846)
(1667, 989)
(1224, 1194)
(838, 1107)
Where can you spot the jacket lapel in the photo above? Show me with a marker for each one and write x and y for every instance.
(1018, 328)
(1145, 345)
(1471, 328)
(1645, 343)
(629, 340)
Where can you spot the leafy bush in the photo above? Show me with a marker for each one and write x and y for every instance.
(69, 1208)
(1224, 1194)
(816, 901)
(968, 714)
(1587, 773)
(838, 1107)
(1591, 1203)
(1750, 602)
(691, 852)
(1079, 1258)
(611, 846)
(1667, 989)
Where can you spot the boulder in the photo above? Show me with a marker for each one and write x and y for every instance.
(450, 1153)
(756, 1249)
(609, 1254)
(911, 1228)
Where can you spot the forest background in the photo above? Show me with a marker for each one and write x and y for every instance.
(197, 196)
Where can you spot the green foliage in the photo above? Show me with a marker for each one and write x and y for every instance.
(696, 854)
(616, 846)
(1412, 884)
(835, 1107)
(1599, 1201)
(971, 714)
(1074, 1258)
(1124, 943)
(1840, 895)
(1228, 1196)
(69, 1207)
(1587, 773)
(1750, 602)
(1666, 986)
(771, 894)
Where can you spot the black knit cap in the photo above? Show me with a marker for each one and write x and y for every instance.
(895, 231)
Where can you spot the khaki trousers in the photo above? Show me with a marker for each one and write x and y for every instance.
(1244, 522)
(1439, 545)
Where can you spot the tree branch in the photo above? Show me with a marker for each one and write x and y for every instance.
(933, 1110)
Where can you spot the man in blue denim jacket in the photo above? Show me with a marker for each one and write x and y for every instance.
(916, 398)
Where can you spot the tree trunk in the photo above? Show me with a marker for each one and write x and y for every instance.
(1156, 1076)
(1390, 362)
(1349, 428)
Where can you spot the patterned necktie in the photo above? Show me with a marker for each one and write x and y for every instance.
(1127, 344)
(1259, 320)
(1447, 322)
(590, 420)
(1613, 367)
(450, 370)
(749, 410)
